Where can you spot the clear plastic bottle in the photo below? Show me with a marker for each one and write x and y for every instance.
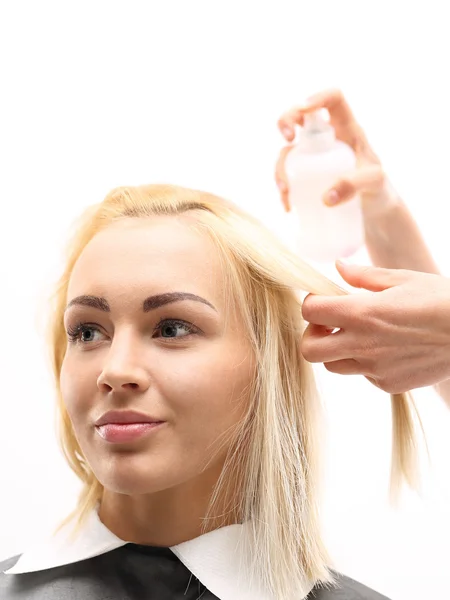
(313, 166)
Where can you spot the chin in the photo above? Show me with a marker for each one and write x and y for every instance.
(128, 474)
(131, 487)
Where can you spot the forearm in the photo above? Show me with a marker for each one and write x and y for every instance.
(393, 238)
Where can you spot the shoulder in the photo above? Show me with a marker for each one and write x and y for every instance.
(52, 583)
(6, 580)
(8, 564)
(345, 588)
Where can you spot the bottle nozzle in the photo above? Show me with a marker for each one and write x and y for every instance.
(316, 133)
(314, 122)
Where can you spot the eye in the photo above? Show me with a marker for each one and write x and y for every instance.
(171, 329)
(82, 333)
(85, 333)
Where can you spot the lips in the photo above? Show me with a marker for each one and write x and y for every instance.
(116, 417)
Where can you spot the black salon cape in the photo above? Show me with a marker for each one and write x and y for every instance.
(134, 572)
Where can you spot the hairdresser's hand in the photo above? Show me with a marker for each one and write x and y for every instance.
(398, 337)
(367, 180)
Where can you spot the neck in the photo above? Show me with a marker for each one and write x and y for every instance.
(168, 517)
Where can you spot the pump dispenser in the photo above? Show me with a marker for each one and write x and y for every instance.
(313, 166)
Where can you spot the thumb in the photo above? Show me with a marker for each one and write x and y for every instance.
(367, 179)
(373, 279)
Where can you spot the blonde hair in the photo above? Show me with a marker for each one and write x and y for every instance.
(279, 470)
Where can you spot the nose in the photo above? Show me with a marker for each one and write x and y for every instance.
(123, 372)
(122, 379)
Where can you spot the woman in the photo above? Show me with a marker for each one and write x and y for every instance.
(187, 411)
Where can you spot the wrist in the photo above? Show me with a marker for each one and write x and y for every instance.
(379, 205)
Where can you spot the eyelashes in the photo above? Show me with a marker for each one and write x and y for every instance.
(170, 327)
(76, 331)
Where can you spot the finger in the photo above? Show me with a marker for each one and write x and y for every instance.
(348, 366)
(373, 279)
(333, 100)
(368, 179)
(335, 103)
(289, 120)
(281, 178)
(319, 345)
(330, 311)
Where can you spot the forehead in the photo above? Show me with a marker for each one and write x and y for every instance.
(151, 255)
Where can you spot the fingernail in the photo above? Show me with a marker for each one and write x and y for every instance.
(281, 185)
(342, 263)
(309, 102)
(287, 132)
(332, 198)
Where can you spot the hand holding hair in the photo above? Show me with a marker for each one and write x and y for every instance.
(397, 336)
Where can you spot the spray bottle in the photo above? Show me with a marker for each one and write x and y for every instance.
(313, 166)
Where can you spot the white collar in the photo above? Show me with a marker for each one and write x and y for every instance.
(217, 558)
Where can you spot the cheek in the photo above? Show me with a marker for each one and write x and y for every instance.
(211, 387)
(78, 387)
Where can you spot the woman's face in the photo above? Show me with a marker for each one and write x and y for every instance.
(151, 333)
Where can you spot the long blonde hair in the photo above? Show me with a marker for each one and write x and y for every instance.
(279, 470)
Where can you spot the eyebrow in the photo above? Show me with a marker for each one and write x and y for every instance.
(150, 303)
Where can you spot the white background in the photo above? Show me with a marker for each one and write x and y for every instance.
(98, 94)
